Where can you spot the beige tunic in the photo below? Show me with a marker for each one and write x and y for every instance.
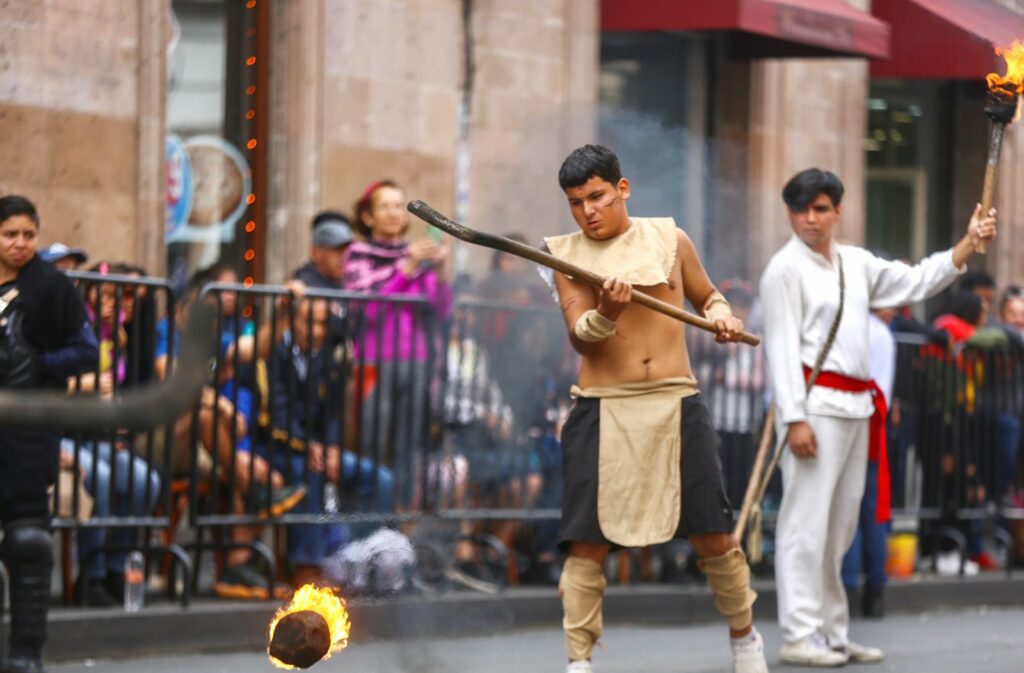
(639, 493)
(644, 255)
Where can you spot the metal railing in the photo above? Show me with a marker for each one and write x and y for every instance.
(337, 411)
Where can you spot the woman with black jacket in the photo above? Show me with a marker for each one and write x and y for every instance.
(45, 338)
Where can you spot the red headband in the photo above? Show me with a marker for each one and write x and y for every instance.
(368, 194)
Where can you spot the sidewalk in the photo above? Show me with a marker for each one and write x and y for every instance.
(222, 626)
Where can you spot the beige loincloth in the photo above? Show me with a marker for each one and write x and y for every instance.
(639, 494)
(644, 255)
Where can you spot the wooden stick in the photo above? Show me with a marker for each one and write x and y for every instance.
(988, 192)
(432, 217)
(753, 486)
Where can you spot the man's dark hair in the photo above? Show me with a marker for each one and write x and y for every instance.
(973, 280)
(587, 162)
(328, 215)
(805, 186)
(12, 205)
(966, 306)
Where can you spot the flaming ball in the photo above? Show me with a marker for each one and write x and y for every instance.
(301, 639)
(313, 626)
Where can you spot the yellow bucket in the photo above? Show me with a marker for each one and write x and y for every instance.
(902, 555)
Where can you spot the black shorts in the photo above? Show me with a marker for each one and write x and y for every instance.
(705, 507)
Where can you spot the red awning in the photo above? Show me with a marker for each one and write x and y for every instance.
(769, 28)
(945, 39)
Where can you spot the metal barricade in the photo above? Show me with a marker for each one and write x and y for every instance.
(732, 380)
(332, 388)
(112, 489)
(955, 431)
(508, 370)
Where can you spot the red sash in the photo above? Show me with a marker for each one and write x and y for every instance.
(877, 449)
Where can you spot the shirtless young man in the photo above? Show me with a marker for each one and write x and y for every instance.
(640, 456)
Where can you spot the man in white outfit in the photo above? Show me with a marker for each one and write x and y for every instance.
(827, 430)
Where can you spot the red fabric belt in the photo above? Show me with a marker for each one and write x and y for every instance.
(877, 448)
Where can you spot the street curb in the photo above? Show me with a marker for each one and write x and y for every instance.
(77, 634)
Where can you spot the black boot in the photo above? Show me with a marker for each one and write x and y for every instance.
(29, 558)
(874, 601)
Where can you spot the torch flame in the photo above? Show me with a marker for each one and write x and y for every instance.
(324, 603)
(1013, 80)
(1012, 83)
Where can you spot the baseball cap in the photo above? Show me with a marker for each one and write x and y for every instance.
(332, 234)
(58, 251)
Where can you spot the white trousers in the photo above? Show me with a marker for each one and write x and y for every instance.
(817, 522)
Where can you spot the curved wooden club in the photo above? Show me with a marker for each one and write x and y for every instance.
(463, 233)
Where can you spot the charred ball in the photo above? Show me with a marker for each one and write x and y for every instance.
(301, 639)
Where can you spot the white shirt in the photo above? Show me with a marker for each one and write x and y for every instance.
(800, 291)
(883, 355)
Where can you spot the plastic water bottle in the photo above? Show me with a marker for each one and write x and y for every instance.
(134, 581)
(330, 498)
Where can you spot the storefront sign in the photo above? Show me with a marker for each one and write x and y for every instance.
(813, 28)
(208, 182)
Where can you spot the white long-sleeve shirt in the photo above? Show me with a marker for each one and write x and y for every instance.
(882, 346)
(800, 291)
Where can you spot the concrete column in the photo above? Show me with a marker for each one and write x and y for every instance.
(296, 132)
(537, 66)
(150, 250)
(804, 113)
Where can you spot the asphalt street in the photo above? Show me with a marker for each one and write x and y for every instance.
(981, 640)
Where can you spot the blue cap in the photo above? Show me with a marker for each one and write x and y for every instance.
(58, 251)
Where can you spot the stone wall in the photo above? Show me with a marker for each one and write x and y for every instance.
(367, 89)
(81, 121)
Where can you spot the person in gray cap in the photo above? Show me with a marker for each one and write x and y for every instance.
(63, 257)
(332, 235)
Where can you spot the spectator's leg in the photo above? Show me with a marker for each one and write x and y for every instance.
(1007, 439)
(875, 545)
(375, 488)
(307, 543)
(133, 477)
(96, 479)
(853, 564)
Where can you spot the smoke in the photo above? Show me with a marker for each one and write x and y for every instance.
(674, 171)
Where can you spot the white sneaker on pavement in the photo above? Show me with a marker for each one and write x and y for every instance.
(748, 654)
(811, 651)
(579, 667)
(861, 654)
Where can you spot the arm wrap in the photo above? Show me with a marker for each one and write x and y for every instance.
(716, 307)
(593, 327)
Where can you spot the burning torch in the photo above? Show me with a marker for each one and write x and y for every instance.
(1002, 107)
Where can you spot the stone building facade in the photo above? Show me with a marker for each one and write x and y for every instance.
(357, 90)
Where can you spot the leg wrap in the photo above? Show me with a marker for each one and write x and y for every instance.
(582, 590)
(729, 577)
(29, 557)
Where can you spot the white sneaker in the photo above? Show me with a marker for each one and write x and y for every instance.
(579, 667)
(861, 654)
(811, 651)
(748, 654)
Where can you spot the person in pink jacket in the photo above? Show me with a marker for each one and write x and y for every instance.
(393, 340)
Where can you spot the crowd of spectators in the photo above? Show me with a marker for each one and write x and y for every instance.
(409, 390)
